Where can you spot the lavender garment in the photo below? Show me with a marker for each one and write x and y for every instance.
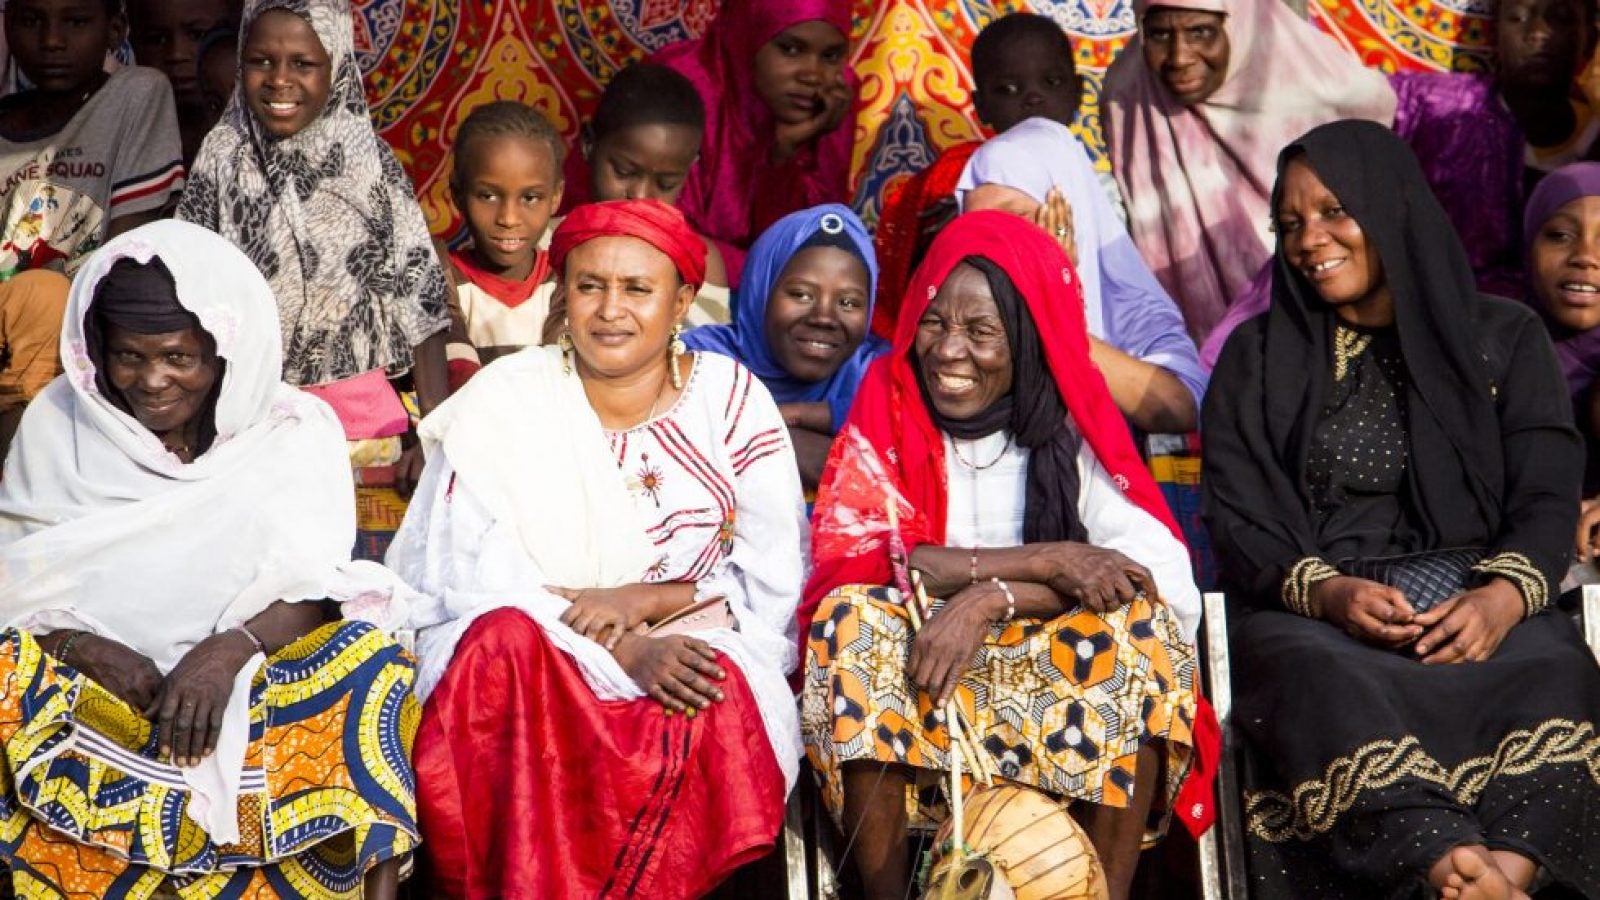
(1579, 351)
(1471, 152)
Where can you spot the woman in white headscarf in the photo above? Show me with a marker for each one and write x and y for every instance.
(174, 705)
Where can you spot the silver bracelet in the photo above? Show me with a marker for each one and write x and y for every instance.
(1011, 599)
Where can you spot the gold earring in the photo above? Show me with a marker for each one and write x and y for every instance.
(674, 350)
(565, 343)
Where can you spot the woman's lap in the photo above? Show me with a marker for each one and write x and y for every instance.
(533, 787)
(331, 730)
(1063, 705)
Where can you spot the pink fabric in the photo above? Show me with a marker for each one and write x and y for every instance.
(366, 404)
(733, 193)
(1198, 180)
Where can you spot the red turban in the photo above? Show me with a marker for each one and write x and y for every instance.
(657, 224)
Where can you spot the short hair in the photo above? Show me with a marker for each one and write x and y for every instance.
(990, 45)
(647, 94)
(505, 118)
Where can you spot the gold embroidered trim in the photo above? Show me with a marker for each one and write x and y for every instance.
(1315, 806)
(1348, 345)
(1520, 571)
(1302, 577)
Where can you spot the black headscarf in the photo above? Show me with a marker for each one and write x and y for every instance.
(1035, 414)
(1269, 388)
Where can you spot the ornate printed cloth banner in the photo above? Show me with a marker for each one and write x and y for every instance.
(430, 62)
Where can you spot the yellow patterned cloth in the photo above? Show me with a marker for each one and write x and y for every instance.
(88, 809)
(1062, 705)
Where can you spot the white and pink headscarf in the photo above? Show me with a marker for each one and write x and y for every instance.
(1198, 180)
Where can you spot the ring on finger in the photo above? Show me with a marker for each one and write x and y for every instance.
(1061, 231)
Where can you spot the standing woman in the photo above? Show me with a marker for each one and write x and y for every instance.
(576, 496)
(296, 177)
(1382, 408)
(1197, 108)
(777, 90)
(802, 329)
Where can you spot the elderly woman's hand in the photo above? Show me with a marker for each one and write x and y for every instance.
(188, 710)
(1366, 610)
(677, 671)
(1098, 579)
(1469, 627)
(118, 668)
(950, 638)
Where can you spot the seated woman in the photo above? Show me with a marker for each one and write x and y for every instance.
(802, 329)
(1137, 337)
(777, 90)
(1069, 610)
(1383, 407)
(574, 497)
(174, 707)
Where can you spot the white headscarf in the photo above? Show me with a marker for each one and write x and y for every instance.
(102, 528)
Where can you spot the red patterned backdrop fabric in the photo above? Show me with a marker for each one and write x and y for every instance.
(430, 62)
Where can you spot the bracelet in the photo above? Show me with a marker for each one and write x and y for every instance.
(244, 630)
(972, 572)
(65, 647)
(1011, 599)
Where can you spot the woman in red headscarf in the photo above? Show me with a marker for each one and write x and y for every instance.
(777, 91)
(589, 730)
(1069, 611)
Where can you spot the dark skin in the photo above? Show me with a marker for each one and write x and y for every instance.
(622, 298)
(1539, 45)
(965, 360)
(60, 45)
(799, 75)
(816, 319)
(1188, 50)
(166, 35)
(1033, 75)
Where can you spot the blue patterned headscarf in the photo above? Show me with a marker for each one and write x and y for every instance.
(746, 339)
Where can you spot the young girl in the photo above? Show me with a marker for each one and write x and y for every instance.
(295, 175)
(506, 182)
(802, 329)
(776, 88)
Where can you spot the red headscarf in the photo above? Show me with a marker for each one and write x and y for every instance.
(732, 193)
(900, 229)
(889, 446)
(657, 224)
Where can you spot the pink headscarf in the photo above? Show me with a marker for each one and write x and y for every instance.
(1198, 180)
(732, 193)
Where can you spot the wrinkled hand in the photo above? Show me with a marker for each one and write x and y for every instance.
(789, 137)
(1366, 610)
(1055, 217)
(408, 471)
(1469, 627)
(118, 668)
(603, 615)
(949, 640)
(1098, 579)
(677, 671)
(1587, 546)
(188, 710)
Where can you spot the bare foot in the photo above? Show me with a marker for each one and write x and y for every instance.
(1470, 873)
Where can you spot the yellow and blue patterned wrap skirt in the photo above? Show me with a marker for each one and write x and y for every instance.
(88, 808)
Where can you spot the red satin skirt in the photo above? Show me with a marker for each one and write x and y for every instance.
(530, 787)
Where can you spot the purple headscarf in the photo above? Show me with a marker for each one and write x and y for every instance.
(1579, 352)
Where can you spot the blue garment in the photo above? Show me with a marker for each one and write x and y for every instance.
(746, 340)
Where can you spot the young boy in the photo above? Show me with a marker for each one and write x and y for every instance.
(83, 155)
(506, 182)
(166, 35)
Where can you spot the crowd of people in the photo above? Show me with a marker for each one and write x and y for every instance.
(677, 428)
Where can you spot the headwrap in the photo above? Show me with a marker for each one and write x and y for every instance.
(1196, 179)
(1460, 402)
(101, 528)
(657, 224)
(1579, 352)
(732, 193)
(901, 227)
(328, 216)
(746, 339)
(141, 298)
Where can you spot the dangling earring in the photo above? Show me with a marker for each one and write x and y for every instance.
(674, 350)
(565, 343)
